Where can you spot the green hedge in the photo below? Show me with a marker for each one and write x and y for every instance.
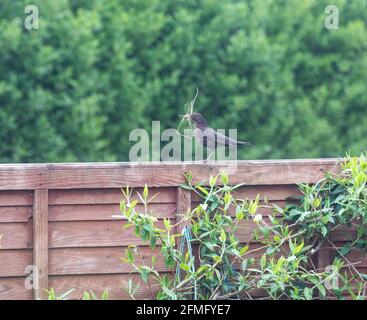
(94, 70)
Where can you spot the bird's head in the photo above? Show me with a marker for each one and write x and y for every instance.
(198, 120)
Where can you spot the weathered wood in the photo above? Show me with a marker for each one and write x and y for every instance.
(14, 289)
(106, 211)
(323, 258)
(15, 214)
(15, 198)
(100, 260)
(110, 234)
(357, 256)
(16, 235)
(115, 175)
(265, 209)
(183, 206)
(271, 192)
(14, 262)
(107, 196)
(92, 234)
(115, 284)
(86, 242)
(40, 242)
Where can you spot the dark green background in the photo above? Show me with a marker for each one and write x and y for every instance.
(95, 70)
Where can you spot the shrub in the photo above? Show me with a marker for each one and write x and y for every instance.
(218, 266)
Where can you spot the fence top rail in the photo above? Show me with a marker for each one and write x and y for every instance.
(159, 174)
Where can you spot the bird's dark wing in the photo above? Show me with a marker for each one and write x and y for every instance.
(212, 139)
(223, 140)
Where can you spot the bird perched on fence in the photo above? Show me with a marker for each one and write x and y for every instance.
(209, 137)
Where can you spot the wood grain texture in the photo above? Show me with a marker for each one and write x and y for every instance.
(323, 259)
(271, 192)
(85, 242)
(15, 198)
(106, 211)
(81, 234)
(100, 260)
(15, 214)
(92, 234)
(115, 284)
(14, 262)
(356, 255)
(265, 209)
(183, 205)
(16, 235)
(40, 242)
(14, 289)
(116, 175)
(107, 196)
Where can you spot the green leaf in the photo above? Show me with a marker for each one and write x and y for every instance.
(244, 250)
(322, 290)
(263, 261)
(86, 295)
(252, 208)
(222, 236)
(244, 265)
(345, 249)
(154, 260)
(130, 256)
(203, 190)
(167, 223)
(298, 248)
(212, 181)
(184, 266)
(308, 293)
(145, 191)
(185, 186)
(224, 178)
(324, 231)
(105, 295)
(239, 213)
(270, 250)
(209, 245)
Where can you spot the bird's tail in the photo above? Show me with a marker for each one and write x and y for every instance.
(245, 143)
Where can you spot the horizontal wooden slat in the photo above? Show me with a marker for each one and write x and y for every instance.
(15, 198)
(16, 235)
(91, 234)
(115, 284)
(14, 262)
(100, 260)
(344, 233)
(15, 214)
(110, 234)
(265, 209)
(276, 192)
(106, 211)
(116, 175)
(356, 255)
(14, 289)
(107, 196)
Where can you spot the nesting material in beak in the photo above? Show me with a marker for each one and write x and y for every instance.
(187, 116)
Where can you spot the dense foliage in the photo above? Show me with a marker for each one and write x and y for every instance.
(281, 265)
(95, 69)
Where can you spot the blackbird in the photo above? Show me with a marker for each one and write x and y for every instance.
(209, 137)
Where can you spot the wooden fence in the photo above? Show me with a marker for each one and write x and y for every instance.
(59, 217)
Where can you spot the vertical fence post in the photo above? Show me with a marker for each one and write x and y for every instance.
(40, 242)
(183, 204)
(323, 258)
